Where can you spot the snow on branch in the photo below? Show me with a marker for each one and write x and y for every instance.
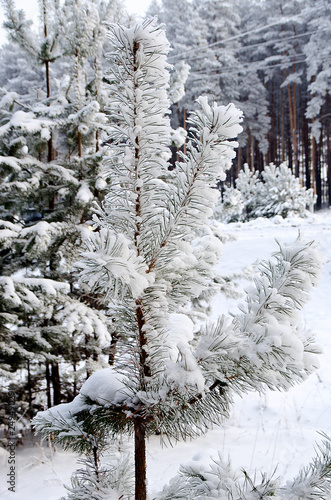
(264, 340)
(111, 264)
(221, 482)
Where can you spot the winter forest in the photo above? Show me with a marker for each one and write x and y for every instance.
(133, 153)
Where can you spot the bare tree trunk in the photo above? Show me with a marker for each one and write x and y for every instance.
(252, 153)
(248, 147)
(328, 146)
(282, 123)
(29, 389)
(56, 384)
(305, 138)
(239, 161)
(185, 128)
(48, 84)
(313, 161)
(140, 459)
(48, 385)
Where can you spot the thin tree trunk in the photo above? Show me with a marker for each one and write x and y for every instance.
(145, 371)
(248, 147)
(29, 389)
(140, 459)
(185, 128)
(313, 162)
(48, 385)
(48, 86)
(305, 138)
(282, 123)
(56, 384)
(291, 111)
(318, 175)
(328, 146)
(252, 153)
(273, 143)
(239, 161)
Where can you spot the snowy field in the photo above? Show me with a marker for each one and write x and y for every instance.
(273, 433)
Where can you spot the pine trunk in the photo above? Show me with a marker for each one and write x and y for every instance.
(328, 146)
(140, 459)
(56, 384)
(305, 138)
(48, 386)
(282, 125)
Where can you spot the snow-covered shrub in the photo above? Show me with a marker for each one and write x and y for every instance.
(281, 193)
(276, 192)
(248, 183)
(231, 208)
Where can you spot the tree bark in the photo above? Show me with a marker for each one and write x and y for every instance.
(328, 148)
(305, 138)
(48, 385)
(56, 384)
(282, 124)
(29, 389)
(140, 458)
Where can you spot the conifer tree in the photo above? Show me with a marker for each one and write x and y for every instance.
(52, 126)
(151, 253)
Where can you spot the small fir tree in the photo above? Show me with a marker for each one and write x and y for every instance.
(151, 254)
(276, 192)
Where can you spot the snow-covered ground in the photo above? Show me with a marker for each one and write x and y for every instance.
(274, 432)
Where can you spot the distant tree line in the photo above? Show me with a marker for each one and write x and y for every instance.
(273, 60)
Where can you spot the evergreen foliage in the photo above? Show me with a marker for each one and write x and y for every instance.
(276, 192)
(52, 126)
(150, 255)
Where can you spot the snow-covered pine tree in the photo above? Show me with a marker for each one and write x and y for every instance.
(276, 192)
(151, 253)
(51, 131)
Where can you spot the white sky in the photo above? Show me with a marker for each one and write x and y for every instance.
(31, 9)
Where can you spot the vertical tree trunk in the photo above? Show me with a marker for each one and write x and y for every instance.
(318, 175)
(140, 459)
(48, 385)
(29, 389)
(282, 123)
(144, 368)
(239, 160)
(48, 84)
(314, 167)
(273, 142)
(56, 384)
(252, 153)
(185, 128)
(305, 139)
(328, 146)
(248, 147)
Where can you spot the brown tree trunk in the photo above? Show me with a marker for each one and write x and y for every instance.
(248, 147)
(48, 385)
(48, 86)
(140, 458)
(305, 138)
(185, 128)
(144, 368)
(252, 163)
(56, 384)
(328, 146)
(239, 162)
(282, 123)
(29, 390)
